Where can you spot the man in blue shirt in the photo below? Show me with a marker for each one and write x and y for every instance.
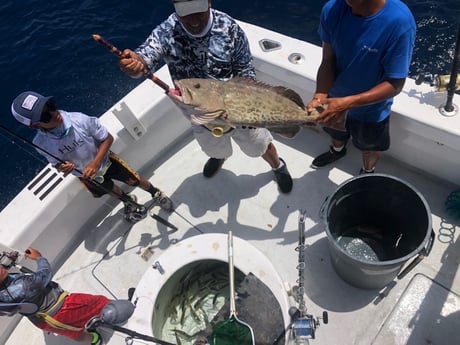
(198, 41)
(367, 48)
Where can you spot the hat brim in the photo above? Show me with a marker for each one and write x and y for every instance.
(185, 8)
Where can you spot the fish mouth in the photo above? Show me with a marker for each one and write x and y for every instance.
(176, 91)
(181, 93)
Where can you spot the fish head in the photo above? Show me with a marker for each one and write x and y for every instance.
(201, 100)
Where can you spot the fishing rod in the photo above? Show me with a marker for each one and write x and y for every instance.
(147, 73)
(118, 312)
(303, 325)
(9, 259)
(452, 86)
(140, 211)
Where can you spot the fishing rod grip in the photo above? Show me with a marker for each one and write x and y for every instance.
(147, 73)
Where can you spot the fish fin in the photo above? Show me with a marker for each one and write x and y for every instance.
(287, 132)
(282, 90)
(206, 118)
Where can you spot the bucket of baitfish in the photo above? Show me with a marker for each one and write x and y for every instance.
(375, 224)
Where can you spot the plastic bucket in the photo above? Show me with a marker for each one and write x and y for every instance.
(375, 223)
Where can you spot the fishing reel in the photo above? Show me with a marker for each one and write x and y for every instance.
(304, 327)
(8, 259)
(134, 214)
(440, 82)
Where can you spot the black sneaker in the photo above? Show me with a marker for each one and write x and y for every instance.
(328, 157)
(283, 178)
(212, 166)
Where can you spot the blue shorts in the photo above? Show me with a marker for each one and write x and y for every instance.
(365, 136)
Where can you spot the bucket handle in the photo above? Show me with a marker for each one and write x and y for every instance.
(421, 255)
(322, 210)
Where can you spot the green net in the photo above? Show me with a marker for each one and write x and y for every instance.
(232, 332)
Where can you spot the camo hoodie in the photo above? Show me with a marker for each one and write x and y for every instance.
(222, 53)
(25, 287)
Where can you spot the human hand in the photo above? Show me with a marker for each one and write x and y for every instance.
(314, 103)
(66, 168)
(32, 253)
(132, 64)
(90, 171)
(335, 110)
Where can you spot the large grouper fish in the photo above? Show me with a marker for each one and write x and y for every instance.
(242, 102)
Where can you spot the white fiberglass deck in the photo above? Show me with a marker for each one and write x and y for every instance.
(243, 197)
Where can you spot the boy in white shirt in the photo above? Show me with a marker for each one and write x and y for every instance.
(82, 145)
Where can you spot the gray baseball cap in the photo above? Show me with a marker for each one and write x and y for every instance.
(28, 106)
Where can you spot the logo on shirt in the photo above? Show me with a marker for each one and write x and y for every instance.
(69, 148)
(369, 49)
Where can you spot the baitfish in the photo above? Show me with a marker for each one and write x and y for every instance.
(242, 102)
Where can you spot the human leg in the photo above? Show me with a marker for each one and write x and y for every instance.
(371, 138)
(121, 171)
(217, 148)
(258, 142)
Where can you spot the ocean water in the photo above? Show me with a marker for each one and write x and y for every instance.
(46, 46)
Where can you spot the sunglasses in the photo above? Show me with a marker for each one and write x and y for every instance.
(46, 115)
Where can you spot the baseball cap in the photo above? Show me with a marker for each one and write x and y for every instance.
(186, 7)
(28, 106)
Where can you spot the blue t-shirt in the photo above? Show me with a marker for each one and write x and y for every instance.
(222, 53)
(368, 50)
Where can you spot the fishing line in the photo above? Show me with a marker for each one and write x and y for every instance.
(140, 209)
(33, 154)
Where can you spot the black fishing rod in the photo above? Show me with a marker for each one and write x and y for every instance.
(140, 210)
(449, 107)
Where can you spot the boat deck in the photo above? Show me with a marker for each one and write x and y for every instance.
(422, 308)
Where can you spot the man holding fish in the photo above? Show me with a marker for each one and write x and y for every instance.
(367, 49)
(198, 41)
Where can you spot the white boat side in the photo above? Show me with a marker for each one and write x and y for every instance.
(82, 236)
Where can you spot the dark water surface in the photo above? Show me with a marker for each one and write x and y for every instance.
(46, 46)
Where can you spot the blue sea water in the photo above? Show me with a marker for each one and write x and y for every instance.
(46, 46)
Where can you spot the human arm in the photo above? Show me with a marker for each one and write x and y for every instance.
(26, 287)
(242, 60)
(325, 77)
(337, 107)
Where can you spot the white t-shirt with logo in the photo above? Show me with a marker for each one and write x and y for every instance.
(77, 140)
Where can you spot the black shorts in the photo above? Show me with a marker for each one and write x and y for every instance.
(366, 136)
(119, 170)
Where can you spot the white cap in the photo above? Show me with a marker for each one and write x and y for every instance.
(186, 7)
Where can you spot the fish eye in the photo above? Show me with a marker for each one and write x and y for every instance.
(197, 86)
